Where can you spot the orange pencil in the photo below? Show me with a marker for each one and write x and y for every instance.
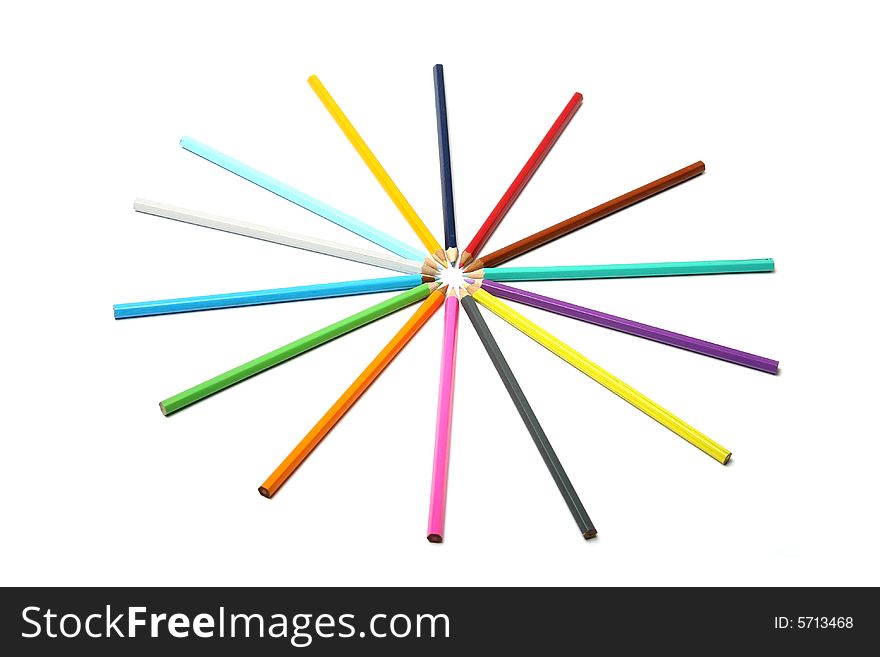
(349, 397)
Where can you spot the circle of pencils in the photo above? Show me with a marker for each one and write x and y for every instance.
(437, 276)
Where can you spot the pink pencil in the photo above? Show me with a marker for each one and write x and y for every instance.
(437, 512)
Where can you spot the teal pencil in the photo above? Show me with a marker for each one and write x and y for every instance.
(687, 268)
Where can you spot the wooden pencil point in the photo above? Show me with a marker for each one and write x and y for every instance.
(435, 285)
(473, 266)
(451, 255)
(477, 273)
(440, 256)
(428, 278)
(465, 258)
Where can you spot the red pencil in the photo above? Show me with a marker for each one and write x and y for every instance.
(522, 179)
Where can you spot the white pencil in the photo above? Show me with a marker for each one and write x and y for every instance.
(238, 227)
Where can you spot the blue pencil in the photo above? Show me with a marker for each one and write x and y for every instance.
(445, 164)
(258, 297)
(305, 201)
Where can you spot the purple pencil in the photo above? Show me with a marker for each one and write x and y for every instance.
(633, 328)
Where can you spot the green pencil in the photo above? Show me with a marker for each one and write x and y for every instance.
(687, 268)
(295, 348)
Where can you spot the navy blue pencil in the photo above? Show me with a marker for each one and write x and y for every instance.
(445, 165)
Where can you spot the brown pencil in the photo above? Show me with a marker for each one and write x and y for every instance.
(584, 218)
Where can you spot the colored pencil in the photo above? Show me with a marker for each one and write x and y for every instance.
(278, 236)
(580, 272)
(304, 201)
(601, 376)
(295, 348)
(571, 224)
(445, 164)
(351, 395)
(631, 327)
(548, 454)
(413, 219)
(259, 297)
(522, 179)
(443, 435)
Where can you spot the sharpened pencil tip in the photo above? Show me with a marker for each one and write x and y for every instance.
(473, 266)
(264, 492)
(590, 533)
(435, 538)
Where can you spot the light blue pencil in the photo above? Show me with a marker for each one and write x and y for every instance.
(305, 201)
(258, 297)
(687, 268)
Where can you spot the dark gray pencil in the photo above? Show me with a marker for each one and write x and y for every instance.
(528, 416)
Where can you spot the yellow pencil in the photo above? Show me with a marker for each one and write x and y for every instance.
(588, 367)
(378, 170)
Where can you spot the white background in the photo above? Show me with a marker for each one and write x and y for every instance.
(778, 99)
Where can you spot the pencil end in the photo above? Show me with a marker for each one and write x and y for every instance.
(163, 409)
(727, 458)
(435, 538)
(473, 266)
(264, 492)
(590, 533)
